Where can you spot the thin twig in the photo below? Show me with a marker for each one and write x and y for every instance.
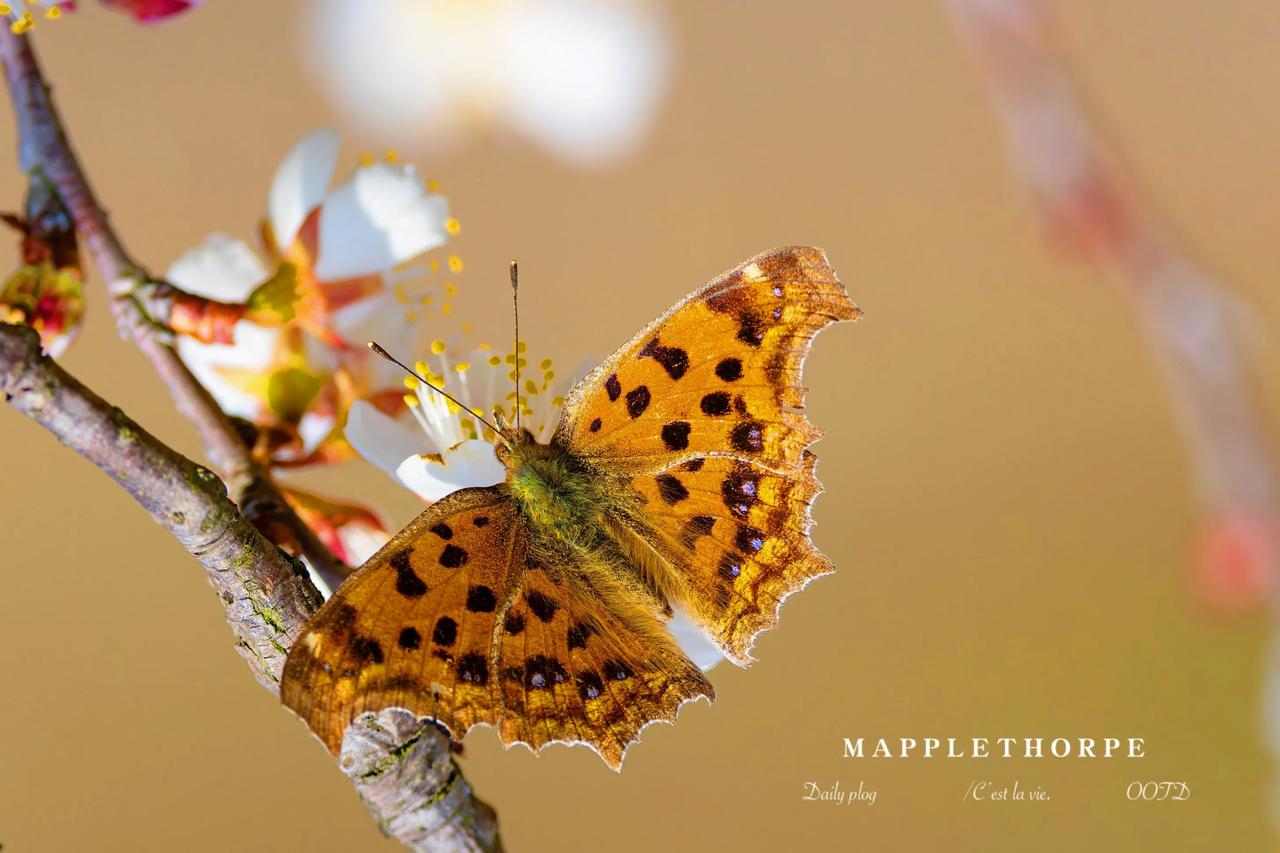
(43, 148)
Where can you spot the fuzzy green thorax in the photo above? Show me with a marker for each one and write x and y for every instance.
(555, 491)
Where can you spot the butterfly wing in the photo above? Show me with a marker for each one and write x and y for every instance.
(452, 622)
(718, 374)
(414, 626)
(701, 410)
(571, 672)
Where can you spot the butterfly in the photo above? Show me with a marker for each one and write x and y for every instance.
(679, 473)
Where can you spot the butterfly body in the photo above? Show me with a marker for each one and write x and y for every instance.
(679, 475)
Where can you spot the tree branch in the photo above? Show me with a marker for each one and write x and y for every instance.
(267, 597)
(401, 766)
(43, 148)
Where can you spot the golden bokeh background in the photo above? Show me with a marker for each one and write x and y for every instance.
(1008, 500)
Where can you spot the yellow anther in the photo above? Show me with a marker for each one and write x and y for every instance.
(411, 400)
(511, 376)
(426, 300)
(411, 382)
(437, 347)
(410, 317)
(530, 387)
(546, 364)
(467, 424)
(366, 159)
(494, 361)
(421, 367)
(450, 289)
(510, 359)
(469, 328)
(462, 366)
(433, 186)
(392, 155)
(435, 265)
(548, 376)
(446, 309)
(452, 226)
(53, 14)
(483, 347)
(455, 264)
(520, 346)
(557, 401)
(5, 9)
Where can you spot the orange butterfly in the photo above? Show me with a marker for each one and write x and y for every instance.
(679, 472)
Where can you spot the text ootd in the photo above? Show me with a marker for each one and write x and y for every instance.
(998, 747)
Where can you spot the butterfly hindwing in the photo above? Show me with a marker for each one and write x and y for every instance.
(572, 672)
(717, 374)
(739, 534)
(414, 626)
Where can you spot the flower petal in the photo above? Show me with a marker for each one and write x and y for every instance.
(693, 642)
(471, 463)
(300, 183)
(379, 219)
(382, 440)
(221, 268)
(253, 349)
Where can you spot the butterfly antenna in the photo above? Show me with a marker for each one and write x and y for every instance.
(515, 308)
(376, 347)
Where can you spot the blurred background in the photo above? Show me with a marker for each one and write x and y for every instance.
(1025, 541)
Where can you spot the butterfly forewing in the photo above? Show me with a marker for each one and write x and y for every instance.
(717, 374)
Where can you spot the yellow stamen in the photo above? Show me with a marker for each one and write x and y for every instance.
(546, 364)
(494, 361)
(411, 382)
(54, 13)
(433, 186)
(446, 309)
(392, 155)
(455, 264)
(437, 347)
(366, 159)
(421, 367)
(450, 289)
(462, 366)
(411, 400)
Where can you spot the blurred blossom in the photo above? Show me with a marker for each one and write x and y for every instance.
(583, 78)
(279, 349)
(1234, 562)
(151, 11)
(47, 291)
(24, 15)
